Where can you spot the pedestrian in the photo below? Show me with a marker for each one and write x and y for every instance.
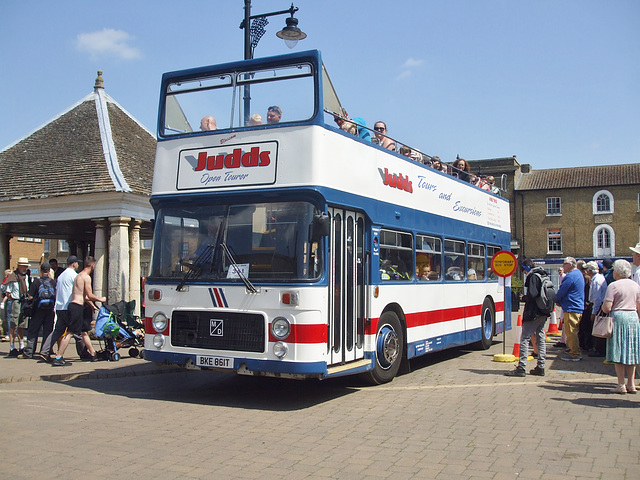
(533, 321)
(571, 298)
(42, 293)
(18, 283)
(622, 299)
(636, 262)
(597, 290)
(64, 288)
(77, 324)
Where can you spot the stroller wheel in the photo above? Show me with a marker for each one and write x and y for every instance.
(141, 353)
(134, 352)
(115, 357)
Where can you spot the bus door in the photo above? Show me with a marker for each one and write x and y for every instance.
(347, 300)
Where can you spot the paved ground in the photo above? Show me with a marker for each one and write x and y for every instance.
(455, 416)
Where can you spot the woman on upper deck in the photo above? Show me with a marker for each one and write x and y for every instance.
(461, 169)
(381, 138)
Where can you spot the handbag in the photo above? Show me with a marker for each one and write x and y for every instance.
(602, 325)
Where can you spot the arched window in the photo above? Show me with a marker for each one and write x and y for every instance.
(604, 241)
(602, 202)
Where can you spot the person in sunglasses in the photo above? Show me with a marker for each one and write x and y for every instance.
(381, 138)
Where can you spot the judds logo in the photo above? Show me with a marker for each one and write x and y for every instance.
(396, 180)
(253, 158)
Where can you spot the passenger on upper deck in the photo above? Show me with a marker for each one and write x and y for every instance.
(274, 114)
(208, 124)
(363, 133)
(349, 127)
(461, 169)
(255, 119)
(437, 164)
(381, 139)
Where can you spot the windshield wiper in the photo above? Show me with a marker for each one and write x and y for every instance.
(194, 269)
(237, 270)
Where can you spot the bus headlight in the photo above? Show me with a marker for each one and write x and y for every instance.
(280, 328)
(158, 340)
(280, 349)
(160, 322)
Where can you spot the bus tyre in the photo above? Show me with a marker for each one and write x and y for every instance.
(487, 324)
(389, 349)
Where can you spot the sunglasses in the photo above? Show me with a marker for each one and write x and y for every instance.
(379, 129)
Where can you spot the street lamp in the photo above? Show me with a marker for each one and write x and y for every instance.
(253, 26)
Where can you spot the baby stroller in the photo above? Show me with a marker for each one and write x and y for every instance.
(115, 325)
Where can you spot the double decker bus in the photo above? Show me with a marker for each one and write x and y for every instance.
(296, 249)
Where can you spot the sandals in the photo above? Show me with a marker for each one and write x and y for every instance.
(621, 389)
(631, 390)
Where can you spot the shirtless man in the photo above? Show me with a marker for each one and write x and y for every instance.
(80, 294)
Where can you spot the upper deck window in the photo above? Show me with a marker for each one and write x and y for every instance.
(233, 98)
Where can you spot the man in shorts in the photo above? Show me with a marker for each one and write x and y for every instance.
(80, 294)
(18, 283)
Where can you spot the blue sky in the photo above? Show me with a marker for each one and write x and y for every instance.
(555, 82)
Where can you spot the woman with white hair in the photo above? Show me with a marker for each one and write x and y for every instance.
(622, 299)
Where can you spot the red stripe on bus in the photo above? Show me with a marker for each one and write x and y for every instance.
(304, 334)
(431, 317)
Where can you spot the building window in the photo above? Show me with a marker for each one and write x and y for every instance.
(146, 244)
(47, 245)
(554, 240)
(63, 246)
(553, 206)
(602, 202)
(604, 241)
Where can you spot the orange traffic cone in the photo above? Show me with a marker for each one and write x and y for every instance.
(518, 331)
(553, 325)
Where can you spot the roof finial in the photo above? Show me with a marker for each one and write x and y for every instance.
(99, 81)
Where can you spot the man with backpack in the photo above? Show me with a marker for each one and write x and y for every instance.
(539, 302)
(43, 295)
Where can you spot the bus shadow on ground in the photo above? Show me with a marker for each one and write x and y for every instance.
(219, 389)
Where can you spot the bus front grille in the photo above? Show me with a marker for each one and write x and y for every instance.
(242, 332)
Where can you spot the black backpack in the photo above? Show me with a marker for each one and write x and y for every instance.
(546, 298)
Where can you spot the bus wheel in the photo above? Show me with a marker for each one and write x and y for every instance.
(389, 349)
(487, 324)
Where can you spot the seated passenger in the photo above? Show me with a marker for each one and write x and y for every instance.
(274, 114)
(349, 127)
(492, 184)
(381, 139)
(255, 119)
(437, 164)
(461, 169)
(208, 124)
(363, 133)
(406, 151)
(471, 274)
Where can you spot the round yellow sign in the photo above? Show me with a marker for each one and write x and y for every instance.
(504, 263)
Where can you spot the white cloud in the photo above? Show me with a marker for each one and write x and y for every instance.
(404, 74)
(412, 63)
(108, 42)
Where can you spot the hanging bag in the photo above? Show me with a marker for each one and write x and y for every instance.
(602, 325)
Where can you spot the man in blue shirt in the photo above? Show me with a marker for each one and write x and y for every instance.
(570, 297)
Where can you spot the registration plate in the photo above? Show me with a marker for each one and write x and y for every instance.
(214, 362)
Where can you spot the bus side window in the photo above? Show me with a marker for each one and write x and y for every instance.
(396, 255)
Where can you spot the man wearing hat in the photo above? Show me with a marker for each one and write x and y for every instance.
(18, 283)
(607, 270)
(636, 263)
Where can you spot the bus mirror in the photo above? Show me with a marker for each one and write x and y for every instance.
(320, 227)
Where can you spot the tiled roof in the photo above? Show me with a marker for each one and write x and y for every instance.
(578, 177)
(83, 150)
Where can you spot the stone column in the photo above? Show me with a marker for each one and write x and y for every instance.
(5, 261)
(118, 259)
(101, 251)
(134, 264)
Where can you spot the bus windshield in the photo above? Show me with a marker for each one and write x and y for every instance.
(239, 98)
(269, 242)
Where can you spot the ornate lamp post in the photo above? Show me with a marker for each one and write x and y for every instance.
(253, 26)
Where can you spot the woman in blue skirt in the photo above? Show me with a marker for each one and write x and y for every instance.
(622, 299)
